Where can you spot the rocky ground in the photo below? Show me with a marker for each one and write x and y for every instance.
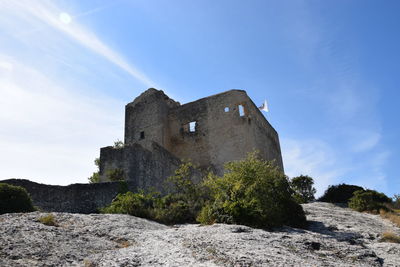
(336, 237)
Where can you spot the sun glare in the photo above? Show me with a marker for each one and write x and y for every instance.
(65, 18)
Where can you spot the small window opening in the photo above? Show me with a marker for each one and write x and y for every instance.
(141, 135)
(192, 126)
(226, 109)
(241, 111)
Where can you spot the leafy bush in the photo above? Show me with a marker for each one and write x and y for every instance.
(253, 192)
(186, 195)
(136, 204)
(340, 193)
(303, 188)
(180, 206)
(14, 199)
(173, 209)
(48, 220)
(368, 200)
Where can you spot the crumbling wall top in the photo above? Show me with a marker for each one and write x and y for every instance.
(154, 94)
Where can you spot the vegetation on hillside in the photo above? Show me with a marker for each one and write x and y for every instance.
(390, 237)
(369, 200)
(180, 206)
(48, 220)
(364, 200)
(340, 193)
(252, 192)
(303, 188)
(14, 199)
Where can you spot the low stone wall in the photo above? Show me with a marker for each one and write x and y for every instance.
(74, 198)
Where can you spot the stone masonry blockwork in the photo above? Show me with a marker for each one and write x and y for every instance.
(160, 133)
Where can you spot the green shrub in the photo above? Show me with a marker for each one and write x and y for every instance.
(173, 209)
(340, 193)
(123, 187)
(303, 188)
(180, 206)
(48, 220)
(369, 200)
(14, 199)
(189, 195)
(135, 204)
(253, 192)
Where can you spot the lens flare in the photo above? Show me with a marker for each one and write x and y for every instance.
(65, 18)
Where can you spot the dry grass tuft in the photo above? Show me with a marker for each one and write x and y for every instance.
(390, 237)
(48, 220)
(122, 243)
(88, 263)
(391, 216)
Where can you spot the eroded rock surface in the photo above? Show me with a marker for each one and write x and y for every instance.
(336, 237)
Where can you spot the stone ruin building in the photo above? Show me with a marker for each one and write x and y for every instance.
(160, 133)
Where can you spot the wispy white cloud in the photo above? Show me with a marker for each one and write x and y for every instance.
(311, 157)
(53, 120)
(365, 141)
(48, 13)
(50, 134)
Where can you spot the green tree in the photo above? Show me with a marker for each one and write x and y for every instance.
(303, 188)
(185, 200)
(95, 178)
(340, 193)
(252, 192)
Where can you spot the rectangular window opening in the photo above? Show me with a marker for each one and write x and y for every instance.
(226, 109)
(241, 111)
(141, 135)
(192, 126)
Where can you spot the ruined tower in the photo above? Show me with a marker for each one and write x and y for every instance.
(160, 132)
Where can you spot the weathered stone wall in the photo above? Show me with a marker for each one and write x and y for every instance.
(158, 135)
(74, 198)
(142, 167)
(146, 118)
(221, 133)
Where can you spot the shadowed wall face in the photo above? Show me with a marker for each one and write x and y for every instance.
(74, 198)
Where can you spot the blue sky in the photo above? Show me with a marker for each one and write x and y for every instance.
(329, 70)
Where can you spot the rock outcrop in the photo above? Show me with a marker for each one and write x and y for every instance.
(336, 237)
